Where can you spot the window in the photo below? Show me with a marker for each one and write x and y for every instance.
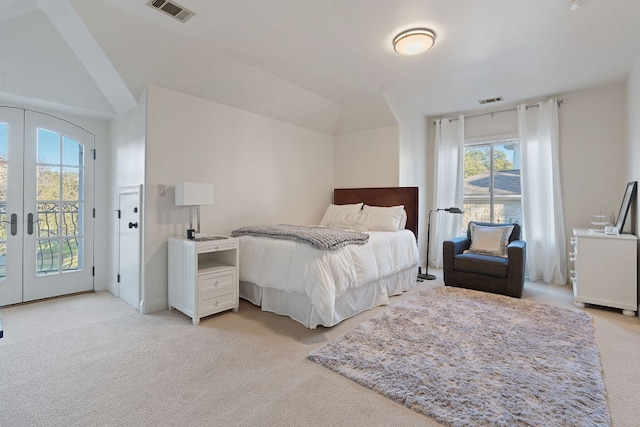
(492, 191)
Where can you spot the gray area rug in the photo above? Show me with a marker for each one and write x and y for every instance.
(468, 358)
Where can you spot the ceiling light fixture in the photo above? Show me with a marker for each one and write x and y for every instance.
(414, 41)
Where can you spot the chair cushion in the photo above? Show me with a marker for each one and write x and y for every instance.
(488, 265)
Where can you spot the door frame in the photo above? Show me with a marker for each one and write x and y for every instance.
(45, 286)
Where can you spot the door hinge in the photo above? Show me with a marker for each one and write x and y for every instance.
(94, 154)
(118, 279)
(119, 213)
(93, 270)
(94, 212)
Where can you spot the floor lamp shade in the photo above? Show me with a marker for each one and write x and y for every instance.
(194, 195)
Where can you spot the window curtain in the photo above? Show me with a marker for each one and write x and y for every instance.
(449, 155)
(543, 212)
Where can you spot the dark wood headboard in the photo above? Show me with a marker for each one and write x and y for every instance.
(383, 196)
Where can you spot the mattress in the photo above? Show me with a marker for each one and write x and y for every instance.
(323, 277)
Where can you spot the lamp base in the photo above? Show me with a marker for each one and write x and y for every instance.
(425, 276)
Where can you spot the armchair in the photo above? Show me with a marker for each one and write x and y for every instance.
(485, 270)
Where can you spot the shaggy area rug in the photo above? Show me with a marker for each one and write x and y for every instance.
(468, 358)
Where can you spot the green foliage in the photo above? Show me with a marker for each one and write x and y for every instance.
(477, 160)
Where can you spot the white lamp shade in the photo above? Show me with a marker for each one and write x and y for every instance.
(194, 194)
(414, 41)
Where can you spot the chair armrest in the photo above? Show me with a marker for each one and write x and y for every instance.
(457, 245)
(516, 253)
(451, 248)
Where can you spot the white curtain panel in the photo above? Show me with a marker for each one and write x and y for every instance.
(449, 155)
(544, 229)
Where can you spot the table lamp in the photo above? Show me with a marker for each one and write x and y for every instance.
(194, 195)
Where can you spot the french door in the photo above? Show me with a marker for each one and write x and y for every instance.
(46, 206)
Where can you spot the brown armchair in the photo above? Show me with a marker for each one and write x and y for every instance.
(483, 272)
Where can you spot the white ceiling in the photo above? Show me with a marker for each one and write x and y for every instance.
(323, 64)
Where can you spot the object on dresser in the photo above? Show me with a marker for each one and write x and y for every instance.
(627, 199)
(600, 222)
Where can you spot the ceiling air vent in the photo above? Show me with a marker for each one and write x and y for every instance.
(172, 9)
(491, 100)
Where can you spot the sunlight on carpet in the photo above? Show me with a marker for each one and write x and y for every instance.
(468, 358)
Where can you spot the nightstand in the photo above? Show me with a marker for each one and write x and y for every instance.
(203, 275)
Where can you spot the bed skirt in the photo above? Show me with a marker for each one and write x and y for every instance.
(353, 301)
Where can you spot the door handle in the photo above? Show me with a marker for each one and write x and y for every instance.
(14, 224)
(30, 223)
(133, 225)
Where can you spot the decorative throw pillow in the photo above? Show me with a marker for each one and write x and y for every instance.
(490, 240)
(380, 218)
(335, 211)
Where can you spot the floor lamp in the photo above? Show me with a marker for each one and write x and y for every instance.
(426, 275)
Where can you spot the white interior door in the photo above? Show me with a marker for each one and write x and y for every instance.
(53, 198)
(129, 244)
(11, 215)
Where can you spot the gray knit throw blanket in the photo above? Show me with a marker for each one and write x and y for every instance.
(318, 237)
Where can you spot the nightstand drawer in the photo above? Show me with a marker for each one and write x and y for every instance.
(217, 245)
(213, 302)
(216, 281)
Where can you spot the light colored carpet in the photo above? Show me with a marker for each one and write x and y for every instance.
(91, 360)
(469, 358)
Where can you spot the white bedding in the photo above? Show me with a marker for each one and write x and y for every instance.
(324, 276)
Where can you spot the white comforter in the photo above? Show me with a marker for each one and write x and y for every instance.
(325, 275)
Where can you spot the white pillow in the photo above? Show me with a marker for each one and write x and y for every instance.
(490, 240)
(350, 221)
(380, 218)
(339, 211)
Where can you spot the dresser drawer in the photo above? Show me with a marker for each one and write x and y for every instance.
(214, 302)
(216, 281)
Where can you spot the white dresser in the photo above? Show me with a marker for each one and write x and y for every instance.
(605, 270)
(203, 276)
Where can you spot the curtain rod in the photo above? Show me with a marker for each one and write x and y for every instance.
(560, 102)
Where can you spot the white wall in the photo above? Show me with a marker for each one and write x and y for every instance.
(367, 158)
(263, 171)
(99, 128)
(633, 128)
(593, 153)
(592, 148)
(128, 139)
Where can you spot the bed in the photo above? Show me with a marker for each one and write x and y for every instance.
(324, 287)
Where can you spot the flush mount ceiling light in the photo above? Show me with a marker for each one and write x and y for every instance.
(414, 41)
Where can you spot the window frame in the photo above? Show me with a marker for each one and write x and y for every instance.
(491, 142)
